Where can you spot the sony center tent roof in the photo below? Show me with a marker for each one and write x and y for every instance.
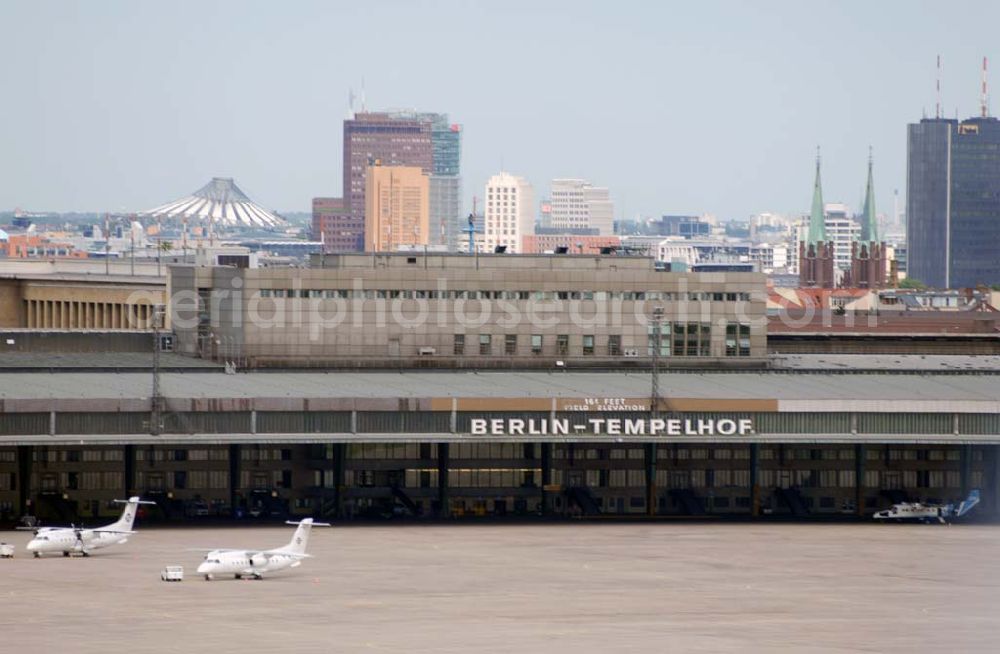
(220, 201)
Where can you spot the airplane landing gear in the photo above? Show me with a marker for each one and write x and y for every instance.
(208, 577)
(237, 576)
(38, 555)
(65, 553)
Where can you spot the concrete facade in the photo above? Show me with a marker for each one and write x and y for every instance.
(459, 311)
(79, 296)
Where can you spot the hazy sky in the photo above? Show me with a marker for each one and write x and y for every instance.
(688, 107)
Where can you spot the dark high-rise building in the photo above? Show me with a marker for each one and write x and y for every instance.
(953, 202)
(333, 224)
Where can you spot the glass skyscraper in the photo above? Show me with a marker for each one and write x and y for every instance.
(446, 181)
(953, 202)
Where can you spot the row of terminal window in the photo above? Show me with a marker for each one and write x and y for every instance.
(429, 294)
(500, 477)
(211, 479)
(677, 339)
(497, 451)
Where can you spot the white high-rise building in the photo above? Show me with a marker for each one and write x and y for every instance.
(843, 230)
(509, 212)
(577, 204)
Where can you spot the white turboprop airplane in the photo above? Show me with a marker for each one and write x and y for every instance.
(928, 512)
(257, 563)
(81, 540)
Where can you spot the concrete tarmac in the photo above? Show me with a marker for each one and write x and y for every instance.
(609, 587)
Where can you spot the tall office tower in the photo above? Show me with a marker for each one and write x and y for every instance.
(446, 182)
(333, 224)
(409, 138)
(577, 204)
(397, 207)
(389, 138)
(816, 252)
(953, 201)
(510, 212)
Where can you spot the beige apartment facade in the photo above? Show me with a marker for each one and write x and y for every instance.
(407, 309)
(397, 208)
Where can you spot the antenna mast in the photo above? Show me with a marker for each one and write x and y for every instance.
(984, 96)
(937, 90)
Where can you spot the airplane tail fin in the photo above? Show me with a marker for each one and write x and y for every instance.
(966, 505)
(300, 539)
(128, 513)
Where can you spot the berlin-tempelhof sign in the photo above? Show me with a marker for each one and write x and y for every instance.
(611, 426)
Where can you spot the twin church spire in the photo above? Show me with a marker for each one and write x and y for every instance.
(817, 218)
(818, 267)
(869, 222)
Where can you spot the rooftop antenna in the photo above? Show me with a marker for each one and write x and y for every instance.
(364, 101)
(107, 243)
(983, 95)
(937, 90)
(471, 229)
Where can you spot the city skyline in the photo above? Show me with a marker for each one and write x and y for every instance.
(717, 90)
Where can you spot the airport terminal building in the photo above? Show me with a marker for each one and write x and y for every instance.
(807, 437)
(446, 386)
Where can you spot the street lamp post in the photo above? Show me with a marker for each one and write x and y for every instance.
(155, 409)
(654, 411)
(654, 399)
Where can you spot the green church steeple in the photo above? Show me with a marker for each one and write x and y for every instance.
(869, 221)
(817, 223)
